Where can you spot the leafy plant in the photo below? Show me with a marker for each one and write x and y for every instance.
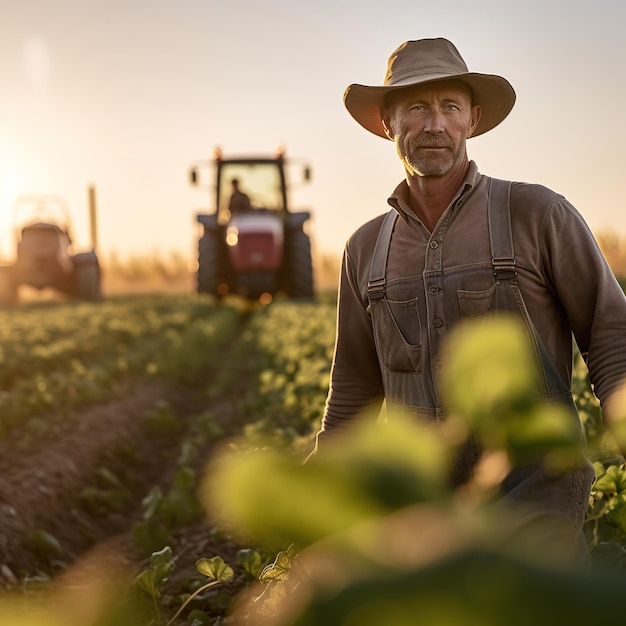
(46, 544)
(150, 580)
(166, 512)
(216, 570)
(375, 511)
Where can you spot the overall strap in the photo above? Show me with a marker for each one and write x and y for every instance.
(500, 235)
(503, 260)
(378, 268)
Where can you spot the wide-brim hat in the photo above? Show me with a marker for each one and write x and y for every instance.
(430, 61)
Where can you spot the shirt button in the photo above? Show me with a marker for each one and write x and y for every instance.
(434, 245)
(433, 289)
(437, 323)
(438, 366)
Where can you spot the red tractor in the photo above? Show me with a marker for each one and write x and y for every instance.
(253, 245)
(44, 257)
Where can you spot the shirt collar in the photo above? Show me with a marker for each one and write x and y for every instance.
(399, 199)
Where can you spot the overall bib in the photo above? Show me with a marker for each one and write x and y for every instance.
(409, 317)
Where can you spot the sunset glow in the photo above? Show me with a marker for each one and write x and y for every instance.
(126, 96)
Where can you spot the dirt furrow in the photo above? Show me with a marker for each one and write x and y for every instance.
(46, 517)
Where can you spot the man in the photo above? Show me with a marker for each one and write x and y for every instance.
(239, 201)
(443, 254)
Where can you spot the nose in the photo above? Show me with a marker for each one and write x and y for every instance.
(434, 122)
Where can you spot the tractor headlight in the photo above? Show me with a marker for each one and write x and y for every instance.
(232, 236)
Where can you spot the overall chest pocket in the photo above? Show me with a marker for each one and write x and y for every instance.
(476, 303)
(398, 334)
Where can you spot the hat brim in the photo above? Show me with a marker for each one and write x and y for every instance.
(494, 94)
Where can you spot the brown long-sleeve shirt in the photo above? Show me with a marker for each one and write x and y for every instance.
(567, 287)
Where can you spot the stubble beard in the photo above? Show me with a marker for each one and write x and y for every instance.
(421, 163)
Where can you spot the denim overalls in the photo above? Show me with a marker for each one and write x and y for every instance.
(409, 319)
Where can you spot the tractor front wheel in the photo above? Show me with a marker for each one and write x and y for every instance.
(299, 266)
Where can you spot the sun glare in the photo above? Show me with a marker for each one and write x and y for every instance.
(11, 186)
(36, 62)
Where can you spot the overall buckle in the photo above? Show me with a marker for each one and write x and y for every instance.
(376, 289)
(504, 268)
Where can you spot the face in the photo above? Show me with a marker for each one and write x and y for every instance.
(430, 125)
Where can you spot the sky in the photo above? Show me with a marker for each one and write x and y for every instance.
(125, 95)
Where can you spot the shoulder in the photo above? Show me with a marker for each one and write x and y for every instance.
(545, 223)
(364, 237)
(538, 203)
(533, 194)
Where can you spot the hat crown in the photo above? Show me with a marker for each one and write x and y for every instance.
(435, 58)
(423, 62)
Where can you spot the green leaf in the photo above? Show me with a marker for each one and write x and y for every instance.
(148, 536)
(618, 515)
(381, 468)
(151, 502)
(107, 477)
(162, 564)
(46, 544)
(613, 481)
(490, 370)
(279, 569)
(145, 582)
(251, 561)
(215, 568)
(199, 618)
(187, 453)
(599, 469)
(184, 480)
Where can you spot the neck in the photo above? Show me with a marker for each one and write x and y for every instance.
(431, 195)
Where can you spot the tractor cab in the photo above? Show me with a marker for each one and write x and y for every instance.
(43, 239)
(260, 181)
(42, 254)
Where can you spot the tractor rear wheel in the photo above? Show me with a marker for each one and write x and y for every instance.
(87, 277)
(8, 287)
(300, 266)
(208, 265)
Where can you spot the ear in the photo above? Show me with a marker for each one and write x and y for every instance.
(386, 122)
(474, 119)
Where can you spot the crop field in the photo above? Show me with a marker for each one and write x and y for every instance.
(151, 471)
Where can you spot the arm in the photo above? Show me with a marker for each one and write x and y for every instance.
(595, 305)
(356, 382)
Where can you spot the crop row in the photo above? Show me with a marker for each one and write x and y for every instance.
(54, 358)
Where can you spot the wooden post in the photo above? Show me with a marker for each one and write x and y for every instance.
(92, 217)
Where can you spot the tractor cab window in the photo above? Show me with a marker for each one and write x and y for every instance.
(42, 239)
(249, 186)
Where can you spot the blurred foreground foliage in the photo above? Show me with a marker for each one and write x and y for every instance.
(372, 533)
(369, 532)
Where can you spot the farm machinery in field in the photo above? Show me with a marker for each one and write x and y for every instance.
(252, 244)
(44, 257)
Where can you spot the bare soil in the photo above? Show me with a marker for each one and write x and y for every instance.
(42, 483)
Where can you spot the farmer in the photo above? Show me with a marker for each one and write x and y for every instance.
(239, 201)
(437, 256)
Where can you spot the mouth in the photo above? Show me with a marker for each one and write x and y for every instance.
(433, 147)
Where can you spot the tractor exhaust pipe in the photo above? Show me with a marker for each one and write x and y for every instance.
(92, 217)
